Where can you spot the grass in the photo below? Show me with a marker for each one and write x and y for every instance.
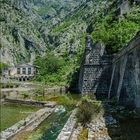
(88, 109)
(83, 134)
(11, 114)
(66, 100)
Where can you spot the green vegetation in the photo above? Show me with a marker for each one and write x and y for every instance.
(40, 91)
(53, 70)
(10, 114)
(25, 95)
(66, 100)
(87, 109)
(116, 33)
(2, 67)
(83, 134)
(62, 27)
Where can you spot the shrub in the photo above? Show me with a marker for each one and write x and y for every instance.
(114, 101)
(25, 95)
(2, 67)
(49, 67)
(64, 100)
(116, 34)
(87, 109)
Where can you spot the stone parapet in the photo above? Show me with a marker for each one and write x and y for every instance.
(67, 130)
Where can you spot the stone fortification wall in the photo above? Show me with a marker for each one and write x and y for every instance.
(117, 76)
(125, 81)
(95, 70)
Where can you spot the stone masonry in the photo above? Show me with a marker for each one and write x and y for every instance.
(109, 76)
(95, 71)
(125, 81)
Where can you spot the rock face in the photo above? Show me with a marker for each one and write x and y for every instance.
(120, 79)
(20, 38)
(25, 25)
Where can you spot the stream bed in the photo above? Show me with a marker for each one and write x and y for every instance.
(50, 128)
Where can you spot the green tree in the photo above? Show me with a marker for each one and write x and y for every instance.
(2, 67)
(50, 68)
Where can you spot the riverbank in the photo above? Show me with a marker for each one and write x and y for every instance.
(27, 124)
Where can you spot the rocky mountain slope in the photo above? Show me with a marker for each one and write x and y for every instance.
(34, 27)
(112, 22)
(25, 25)
(103, 20)
(20, 37)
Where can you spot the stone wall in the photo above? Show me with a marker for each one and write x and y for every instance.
(117, 76)
(95, 70)
(125, 81)
(68, 128)
(30, 102)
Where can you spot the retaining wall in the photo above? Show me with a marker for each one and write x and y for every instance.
(125, 80)
(30, 102)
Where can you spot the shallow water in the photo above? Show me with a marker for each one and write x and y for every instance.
(51, 127)
(11, 114)
(128, 129)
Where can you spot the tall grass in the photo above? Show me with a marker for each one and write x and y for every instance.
(87, 109)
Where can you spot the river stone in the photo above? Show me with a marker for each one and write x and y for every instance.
(109, 120)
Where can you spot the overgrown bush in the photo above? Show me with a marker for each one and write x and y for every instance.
(52, 69)
(25, 95)
(2, 67)
(116, 33)
(114, 101)
(87, 109)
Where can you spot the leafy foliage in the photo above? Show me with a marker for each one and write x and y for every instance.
(116, 34)
(2, 67)
(25, 95)
(52, 69)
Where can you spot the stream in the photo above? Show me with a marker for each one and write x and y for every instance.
(50, 128)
